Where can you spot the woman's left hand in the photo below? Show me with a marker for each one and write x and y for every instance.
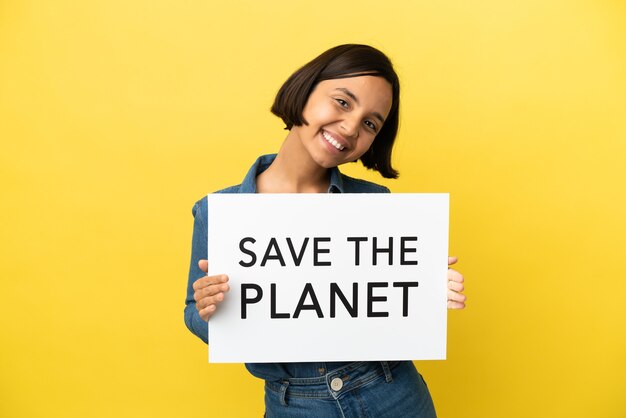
(456, 298)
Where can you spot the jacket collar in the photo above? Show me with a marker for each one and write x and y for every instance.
(248, 185)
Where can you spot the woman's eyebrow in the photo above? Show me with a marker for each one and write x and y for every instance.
(353, 97)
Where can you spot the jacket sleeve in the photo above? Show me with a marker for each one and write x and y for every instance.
(198, 252)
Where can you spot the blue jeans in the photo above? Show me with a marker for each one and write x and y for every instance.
(363, 389)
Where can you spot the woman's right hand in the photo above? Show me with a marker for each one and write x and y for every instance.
(209, 291)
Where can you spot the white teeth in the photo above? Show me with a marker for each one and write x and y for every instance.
(332, 141)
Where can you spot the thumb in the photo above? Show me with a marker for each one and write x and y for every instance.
(204, 265)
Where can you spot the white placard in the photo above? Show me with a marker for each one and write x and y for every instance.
(329, 277)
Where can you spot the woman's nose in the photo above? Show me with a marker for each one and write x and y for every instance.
(350, 126)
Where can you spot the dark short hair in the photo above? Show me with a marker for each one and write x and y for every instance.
(343, 61)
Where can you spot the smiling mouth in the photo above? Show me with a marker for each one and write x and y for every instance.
(332, 141)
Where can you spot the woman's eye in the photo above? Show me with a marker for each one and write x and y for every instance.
(342, 102)
(371, 125)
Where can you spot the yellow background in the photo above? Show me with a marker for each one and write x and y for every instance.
(116, 116)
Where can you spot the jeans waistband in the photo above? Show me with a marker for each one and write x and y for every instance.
(351, 377)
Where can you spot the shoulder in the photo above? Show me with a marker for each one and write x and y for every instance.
(353, 185)
(231, 189)
(201, 205)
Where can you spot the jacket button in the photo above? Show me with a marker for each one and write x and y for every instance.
(336, 384)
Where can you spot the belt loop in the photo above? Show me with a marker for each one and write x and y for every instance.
(283, 393)
(387, 370)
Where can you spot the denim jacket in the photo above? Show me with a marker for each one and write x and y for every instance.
(339, 183)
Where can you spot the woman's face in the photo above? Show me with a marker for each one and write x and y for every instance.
(344, 116)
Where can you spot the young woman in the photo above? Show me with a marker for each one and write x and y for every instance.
(341, 107)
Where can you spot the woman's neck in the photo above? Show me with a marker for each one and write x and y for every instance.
(293, 171)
